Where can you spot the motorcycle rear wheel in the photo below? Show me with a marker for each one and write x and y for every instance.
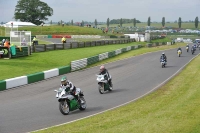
(64, 107)
(112, 87)
(83, 105)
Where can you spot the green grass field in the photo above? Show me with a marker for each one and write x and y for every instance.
(173, 108)
(157, 25)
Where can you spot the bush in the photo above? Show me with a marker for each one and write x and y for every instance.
(113, 36)
(157, 43)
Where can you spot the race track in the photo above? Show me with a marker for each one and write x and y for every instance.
(34, 106)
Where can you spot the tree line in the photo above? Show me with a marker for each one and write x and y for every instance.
(39, 12)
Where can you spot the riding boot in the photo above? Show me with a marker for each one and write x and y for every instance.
(110, 84)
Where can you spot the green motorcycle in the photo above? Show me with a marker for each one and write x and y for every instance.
(68, 102)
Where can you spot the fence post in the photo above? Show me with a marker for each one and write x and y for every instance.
(54, 46)
(70, 45)
(45, 47)
(34, 48)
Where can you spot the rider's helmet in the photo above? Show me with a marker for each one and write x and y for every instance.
(102, 68)
(163, 53)
(64, 80)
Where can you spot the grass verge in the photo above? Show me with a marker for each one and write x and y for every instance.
(172, 108)
(43, 42)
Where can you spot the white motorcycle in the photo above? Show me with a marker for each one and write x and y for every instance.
(179, 53)
(103, 85)
(68, 102)
(163, 63)
(187, 48)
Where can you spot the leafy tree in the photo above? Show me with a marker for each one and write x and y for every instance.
(72, 23)
(95, 22)
(34, 11)
(179, 22)
(124, 21)
(108, 22)
(163, 21)
(121, 22)
(134, 22)
(196, 21)
(149, 21)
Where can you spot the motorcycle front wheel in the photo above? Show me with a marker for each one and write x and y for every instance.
(64, 107)
(101, 89)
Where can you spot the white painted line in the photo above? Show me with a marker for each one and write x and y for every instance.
(126, 102)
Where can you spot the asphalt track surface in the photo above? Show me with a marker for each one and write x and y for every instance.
(34, 106)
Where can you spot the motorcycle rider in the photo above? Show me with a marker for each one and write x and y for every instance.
(63, 40)
(179, 49)
(193, 48)
(187, 46)
(69, 87)
(104, 71)
(195, 45)
(163, 57)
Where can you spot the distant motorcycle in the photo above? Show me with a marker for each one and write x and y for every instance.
(163, 63)
(192, 50)
(187, 48)
(103, 84)
(179, 53)
(68, 102)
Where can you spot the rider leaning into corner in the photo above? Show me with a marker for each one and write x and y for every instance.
(164, 57)
(104, 71)
(69, 87)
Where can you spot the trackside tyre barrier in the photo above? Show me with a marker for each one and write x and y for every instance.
(82, 63)
(103, 56)
(78, 64)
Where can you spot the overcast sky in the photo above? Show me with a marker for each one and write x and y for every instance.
(89, 10)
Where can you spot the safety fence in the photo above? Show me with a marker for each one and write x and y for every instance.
(70, 45)
(159, 44)
(75, 65)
